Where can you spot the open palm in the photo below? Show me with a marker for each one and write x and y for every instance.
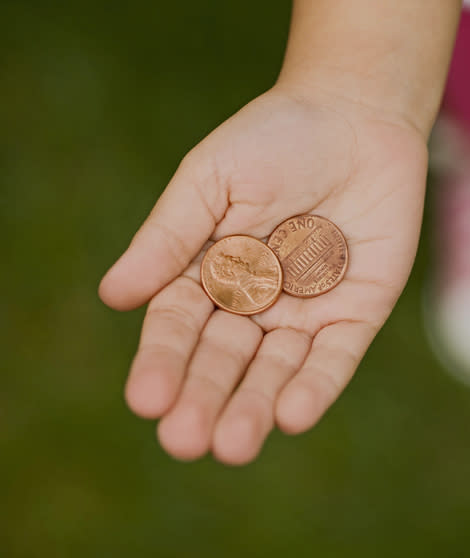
(221, 381)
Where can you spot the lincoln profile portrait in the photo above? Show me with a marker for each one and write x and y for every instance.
(242, 280)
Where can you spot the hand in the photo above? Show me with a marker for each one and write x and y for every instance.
(221, 381)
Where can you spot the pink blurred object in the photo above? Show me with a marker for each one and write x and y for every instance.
(457, 94)
(447, 301)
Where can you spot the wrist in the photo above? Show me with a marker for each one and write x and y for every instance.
(389, 56)
(377, 98)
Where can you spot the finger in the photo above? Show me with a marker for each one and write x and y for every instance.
(335, 354)
(171, 329)
(227, 345)
(249, 416)
(173, 234)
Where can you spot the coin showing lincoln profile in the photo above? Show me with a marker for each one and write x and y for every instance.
(242, 275)
(313, 254)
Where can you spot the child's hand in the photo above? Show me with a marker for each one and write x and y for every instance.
(278, 157)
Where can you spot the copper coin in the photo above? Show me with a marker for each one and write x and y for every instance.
(242, 275)
(313, 254)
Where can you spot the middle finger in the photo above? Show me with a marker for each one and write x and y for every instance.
(227, 345)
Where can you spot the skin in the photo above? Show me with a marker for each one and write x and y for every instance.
(328, 138)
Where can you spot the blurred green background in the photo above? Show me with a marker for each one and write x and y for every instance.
(99, 101)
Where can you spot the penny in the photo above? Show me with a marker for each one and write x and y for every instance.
(313, 254)
(242, 275)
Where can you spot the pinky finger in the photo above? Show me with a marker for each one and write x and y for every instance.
(335, 354)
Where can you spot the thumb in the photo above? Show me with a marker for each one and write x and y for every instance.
(170, 238)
